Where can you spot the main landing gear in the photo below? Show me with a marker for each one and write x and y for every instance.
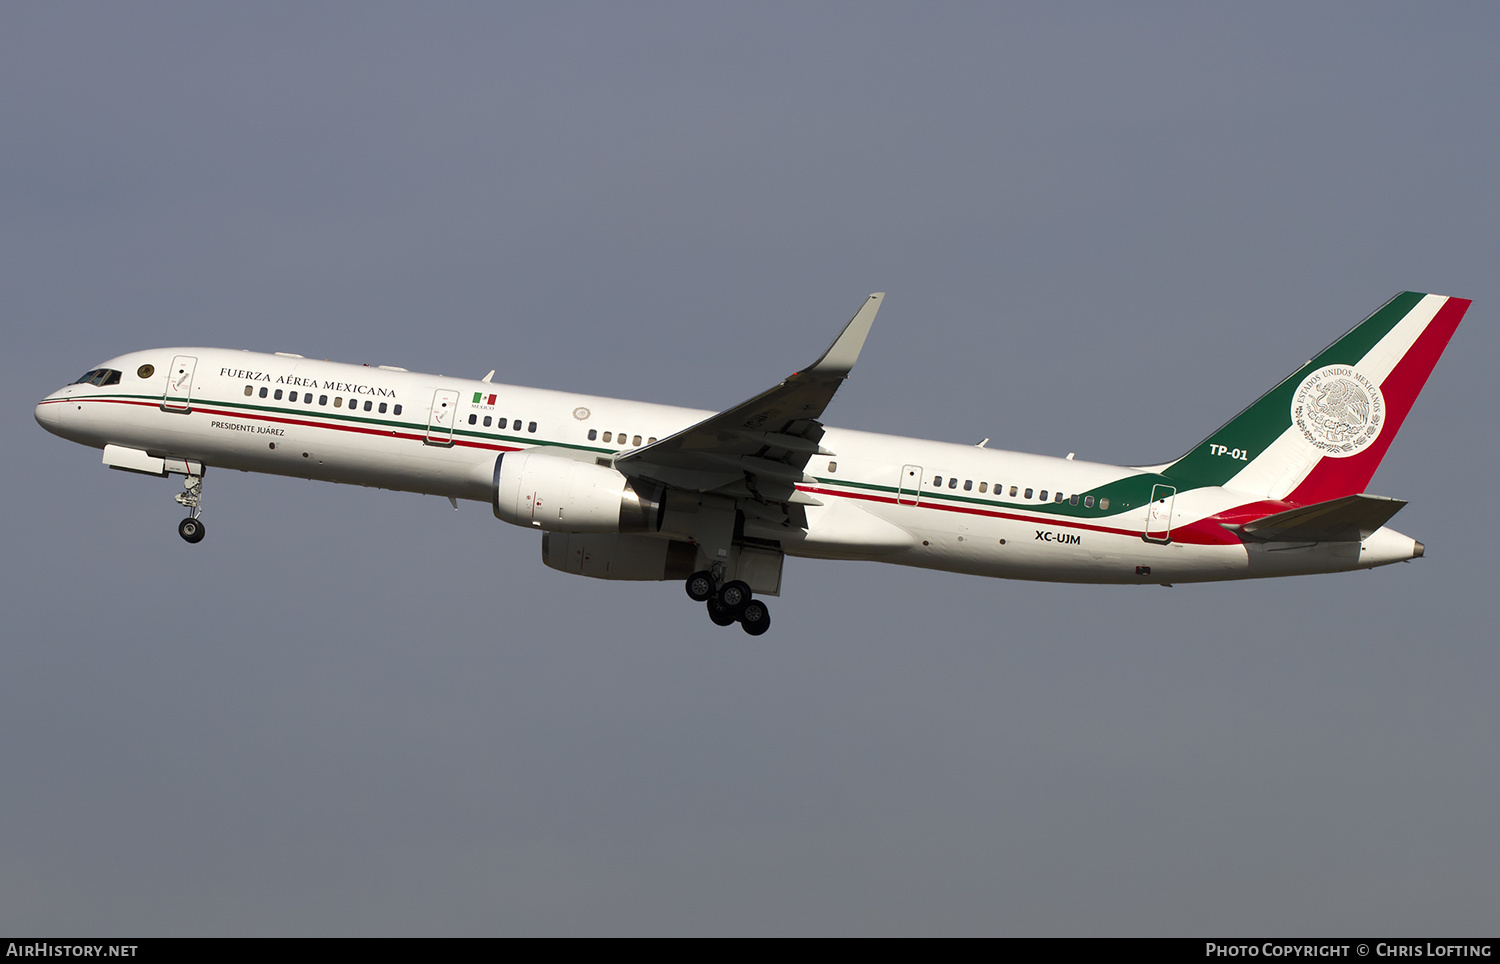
(191, 529)
(730, 603)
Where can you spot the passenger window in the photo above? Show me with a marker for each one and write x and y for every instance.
(651, 440)
(381, 410)
(277, 396)
(636, 441)
(1044, 495)
(593, 434)
(367, 406)
(322, 399)
(937, 481)
(516, 425)
(953, 482)
(608, 436)
(264, 392)
(1058, 497)
(531, 427)
(249, 391)
(1104, 503)
(292, 397)
(1073, 499)
(338, 401)
(486, 421)
(396, 410)
(1028, 492)
(833, 466)
(968, 485)
(1012, 492)
(984, 487)
(1088, 502)
(473, 419)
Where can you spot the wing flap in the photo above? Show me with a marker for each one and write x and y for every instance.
(1350, 518)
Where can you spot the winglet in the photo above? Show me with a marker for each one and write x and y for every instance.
(840, 357)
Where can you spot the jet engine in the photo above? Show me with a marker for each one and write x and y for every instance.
(542, 491)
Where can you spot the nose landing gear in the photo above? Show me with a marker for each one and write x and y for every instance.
(730, 603)
(191, 529)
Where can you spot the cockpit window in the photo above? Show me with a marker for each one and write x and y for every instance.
(100, 377)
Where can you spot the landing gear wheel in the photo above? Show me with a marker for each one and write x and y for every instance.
(734, 596)
(755, 618)
(719, 614)
(191, 498)
(700, 586)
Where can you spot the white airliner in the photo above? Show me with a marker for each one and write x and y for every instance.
(629, 490)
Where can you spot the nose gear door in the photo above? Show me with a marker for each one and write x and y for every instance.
(179, 394)
(444, 414)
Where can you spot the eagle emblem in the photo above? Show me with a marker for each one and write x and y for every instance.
(1338, 410)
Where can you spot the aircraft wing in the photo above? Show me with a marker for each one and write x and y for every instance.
(761, 447)
(1348, 519)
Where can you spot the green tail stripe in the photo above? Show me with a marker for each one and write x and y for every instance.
(1270, 415)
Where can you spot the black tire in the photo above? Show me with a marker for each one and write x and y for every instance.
(700, 586)
(734, 595)
(719, 615)
(191, 530)
(755, 617)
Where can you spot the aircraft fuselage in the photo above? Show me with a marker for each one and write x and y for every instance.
(908, 501)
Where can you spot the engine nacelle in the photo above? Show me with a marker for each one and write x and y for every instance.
(542, 491)
(611, 556)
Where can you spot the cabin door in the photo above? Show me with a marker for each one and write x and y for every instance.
(444, 414)
(179, 384)
(1159, 513)
(179, 395)
(909, 490)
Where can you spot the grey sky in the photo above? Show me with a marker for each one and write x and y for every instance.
(1103, 228)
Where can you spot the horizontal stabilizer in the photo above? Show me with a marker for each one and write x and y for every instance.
(1348, 519)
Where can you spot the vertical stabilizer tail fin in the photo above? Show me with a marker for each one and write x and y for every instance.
(1322, 432)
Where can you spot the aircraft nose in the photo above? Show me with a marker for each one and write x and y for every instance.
(49, 413)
